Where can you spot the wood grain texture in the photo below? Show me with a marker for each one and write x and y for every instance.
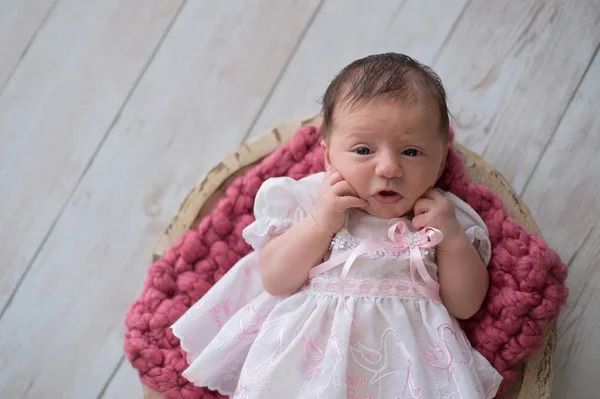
(564, 194)
(578, 352)
(538, 371)
(203, 197)
(217, 56)
(346, 30)
(125, 384)
(56, 110)
(19, 22)
(510, 69)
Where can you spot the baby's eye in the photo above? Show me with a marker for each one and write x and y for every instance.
(362, 151)
(411, 152)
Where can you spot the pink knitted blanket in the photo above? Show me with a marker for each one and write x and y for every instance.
(526, 293)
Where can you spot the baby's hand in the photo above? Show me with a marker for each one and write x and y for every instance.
(435, 210)
(335, 196)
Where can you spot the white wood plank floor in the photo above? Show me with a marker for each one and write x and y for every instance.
(110, 111)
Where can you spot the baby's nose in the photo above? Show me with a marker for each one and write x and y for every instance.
(387, 167)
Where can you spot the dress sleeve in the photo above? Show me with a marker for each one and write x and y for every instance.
(473, 226)
(280, 203)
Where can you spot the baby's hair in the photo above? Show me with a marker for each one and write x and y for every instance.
(391, 76)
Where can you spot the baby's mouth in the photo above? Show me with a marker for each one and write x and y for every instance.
(387, 196)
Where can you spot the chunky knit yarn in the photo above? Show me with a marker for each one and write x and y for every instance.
(527, 279)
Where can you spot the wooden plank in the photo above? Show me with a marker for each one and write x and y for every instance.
(563, 191)
(57, 108)
(347, 30)
(63, 334)
(205, 195)
(19, 23)
(125, 384)
(578, 352)
(510, 69)
(563, 194)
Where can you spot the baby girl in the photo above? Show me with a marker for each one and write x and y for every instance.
(360, 272)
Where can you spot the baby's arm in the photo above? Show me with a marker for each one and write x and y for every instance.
(286, 259)
(462, 274)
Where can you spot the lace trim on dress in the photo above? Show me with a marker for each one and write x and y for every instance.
(369, 287)
(343, 240)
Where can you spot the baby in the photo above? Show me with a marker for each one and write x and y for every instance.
(359, 273)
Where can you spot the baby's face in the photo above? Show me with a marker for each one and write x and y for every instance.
(391, 154)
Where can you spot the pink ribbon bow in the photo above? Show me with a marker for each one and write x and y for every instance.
(427, 237)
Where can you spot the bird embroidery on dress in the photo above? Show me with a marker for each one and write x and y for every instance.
(441, 356)
(378, 361)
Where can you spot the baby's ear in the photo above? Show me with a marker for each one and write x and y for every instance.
(326, 159)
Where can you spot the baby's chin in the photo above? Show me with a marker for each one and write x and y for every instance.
(388, 211)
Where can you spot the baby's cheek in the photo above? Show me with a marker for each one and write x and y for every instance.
(420, 184)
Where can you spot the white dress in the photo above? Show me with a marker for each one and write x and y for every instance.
(379, 337)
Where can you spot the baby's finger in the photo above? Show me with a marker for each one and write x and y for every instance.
(420, 221)
(343, 188)
(334, 178)
(428, 194)
(433, 194)
(423, 205)
(352, 202)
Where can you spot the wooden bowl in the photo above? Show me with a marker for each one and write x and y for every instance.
(536, 379)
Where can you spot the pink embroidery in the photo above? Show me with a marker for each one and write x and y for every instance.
(249, 327)
(226, 309)
(366, 287)
(405, 288)
(415, 391)
(372, 357)
(441, 356)
(354, 382)
(334, 343)
(332, 286)
(376, 360)
(312, 357)
(493, 385)
(261, 368)
(427, 237)
(385, 286)
(349, 286)
(240, 392)
(228, 373)
(372, 287)
(219, 308)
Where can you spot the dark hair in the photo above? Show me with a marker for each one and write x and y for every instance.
(390, 75)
